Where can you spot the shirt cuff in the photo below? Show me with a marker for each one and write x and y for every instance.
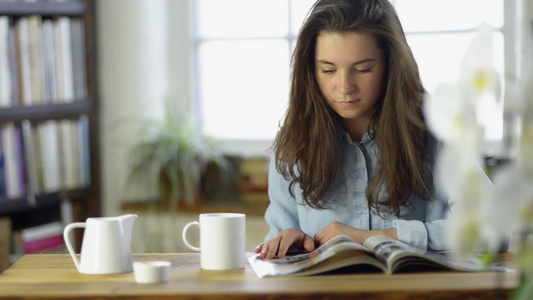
(412, 232)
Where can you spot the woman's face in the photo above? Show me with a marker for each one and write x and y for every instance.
(350, 71)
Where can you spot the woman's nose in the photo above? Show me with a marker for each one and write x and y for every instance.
(347, 83)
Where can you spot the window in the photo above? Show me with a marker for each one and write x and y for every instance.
(243, 50)
(440, 35)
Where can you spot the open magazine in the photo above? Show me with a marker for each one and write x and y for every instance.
(379, 254)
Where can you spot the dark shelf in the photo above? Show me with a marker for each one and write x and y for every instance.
(46, 112)
(13, 206)
(71, 8)
(20, 205)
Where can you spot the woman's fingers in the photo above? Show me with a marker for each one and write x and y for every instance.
(259, 247)
(308, 244)
(269, 248)
(276, 246)
(279, 244)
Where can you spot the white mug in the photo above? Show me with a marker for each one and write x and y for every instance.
(222, 240)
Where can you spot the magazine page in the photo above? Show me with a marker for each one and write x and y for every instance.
(387, 249)
(400, 256)
(298, 263)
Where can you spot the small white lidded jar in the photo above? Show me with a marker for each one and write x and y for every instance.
(151, 271)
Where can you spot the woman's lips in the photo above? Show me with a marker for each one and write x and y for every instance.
(347, 102)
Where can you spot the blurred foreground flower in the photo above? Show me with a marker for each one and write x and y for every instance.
(482, 218)
(511, 202)
(453, 116)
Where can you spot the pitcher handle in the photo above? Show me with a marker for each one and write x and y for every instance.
(68, 242)
(184, 235)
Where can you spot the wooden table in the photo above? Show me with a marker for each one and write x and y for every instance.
(54, 276)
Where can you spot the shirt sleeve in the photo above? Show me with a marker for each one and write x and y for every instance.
(282, 212)
(429, 235)
(426, 236)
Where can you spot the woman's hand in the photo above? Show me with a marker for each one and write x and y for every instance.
(280, 243)
(358, 235)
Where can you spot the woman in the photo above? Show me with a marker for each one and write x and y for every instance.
(353, 155)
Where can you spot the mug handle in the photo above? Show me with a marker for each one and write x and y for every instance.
(184, 235)
(68, 242)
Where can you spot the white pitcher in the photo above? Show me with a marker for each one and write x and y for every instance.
(106, 245)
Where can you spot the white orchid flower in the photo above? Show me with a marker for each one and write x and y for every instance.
(478, 73)
(456, 161)
(510, 204)
(449, 114)
(469, 195)
(464, 235)
(482, 216)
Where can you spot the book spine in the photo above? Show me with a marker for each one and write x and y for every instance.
(64, 67)
(25, 65)
(42, 231)
(78, 58)
(43, 244)
(76, 153)
(11, 166)
(58, 62)
(14, 65)
(35, 59)
(67, 153)
(67, 57)
(2, 168)
(67, 215)
(30, 159)
(49, 61)
(5, 80)
(85, 170)
(21, 165)
(48, 137)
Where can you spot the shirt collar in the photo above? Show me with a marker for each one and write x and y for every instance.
(367, 137)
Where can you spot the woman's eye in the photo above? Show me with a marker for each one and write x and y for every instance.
(364, 70)
(327, 71)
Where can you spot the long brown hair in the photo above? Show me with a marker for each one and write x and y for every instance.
(307, 144)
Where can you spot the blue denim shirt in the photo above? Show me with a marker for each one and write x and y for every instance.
(421, 224)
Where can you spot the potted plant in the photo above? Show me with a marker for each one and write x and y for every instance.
(175, 156)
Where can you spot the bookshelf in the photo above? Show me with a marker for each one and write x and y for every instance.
(69, 105)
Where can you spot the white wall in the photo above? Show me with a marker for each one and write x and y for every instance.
(143, 58)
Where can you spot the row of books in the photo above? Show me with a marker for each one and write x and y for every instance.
(44, 238)
(39, 239)
(42, 60)
(44, 157)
